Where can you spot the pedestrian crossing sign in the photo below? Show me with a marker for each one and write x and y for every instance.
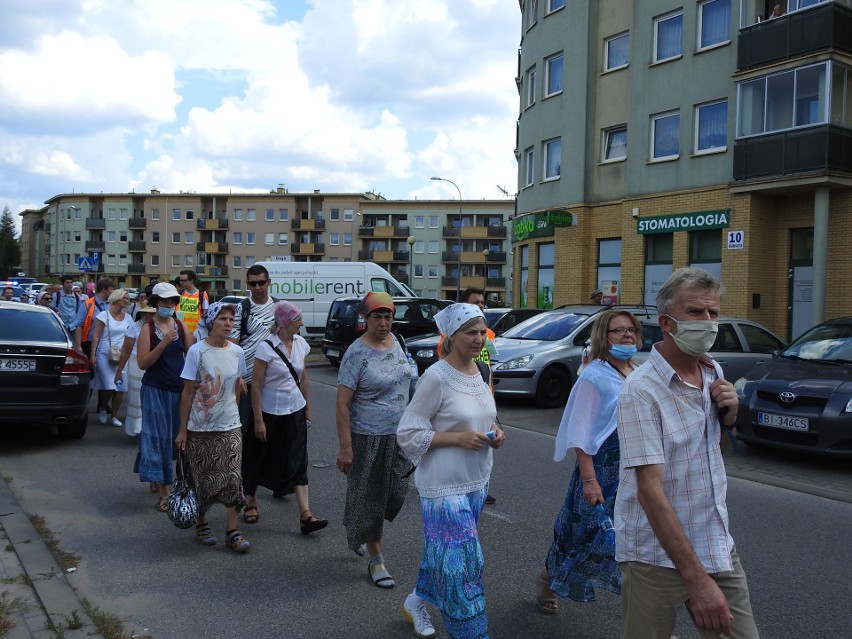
(84, 263)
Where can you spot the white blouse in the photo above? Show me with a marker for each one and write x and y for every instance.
(280, 395)
(447, 400)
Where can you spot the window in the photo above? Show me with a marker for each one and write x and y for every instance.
(616, 52)
(122, 236)
(419, 222)
(238, 215)
(122, 260)
(270, 215)
(187, 261)
(251, 215)
(176, 261)
(434, 222)
(190, 215)
(269, 238)
(668, 37)
(532, 14)
(122, 214)
(553, 81)
(334, 214)
(553, 5)
(155, 237)
(348, 215)
(665, 140)
(783, 100)
(155, 214)
(553, 159)
(110, 236)
(418, 246)
(238, 261)
(235, 285)
(282, 239)
(531, 86)
(250, 259)
(546, 254)
(176, 215)
(110, 259)
(705, 250)
(609, 267)
(795, 5)
(714, 23)
(433, 246)
(77, 213)
(433, 271)
(176, 237)
(238, 237)
(250, 237)
(110, 214)
(418, 270)
(155, 260)
(347, 239)
(283, 214)
(529, 166)
(334, 239)
(711, 127)
(78, 236)
(614, 144)
(188, 237)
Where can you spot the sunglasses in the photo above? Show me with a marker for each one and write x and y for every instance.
(257, 283)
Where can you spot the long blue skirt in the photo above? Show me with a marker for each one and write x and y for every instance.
(579, 560)
(452, 565)
(160, 427)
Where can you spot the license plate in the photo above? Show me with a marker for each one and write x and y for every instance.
(782, 421)
(332, 353)
(28, 365)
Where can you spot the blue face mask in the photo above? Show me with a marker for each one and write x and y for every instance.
(165, 311)
(622, 351)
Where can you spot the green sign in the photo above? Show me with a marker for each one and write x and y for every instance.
(699, 221)
(541, 224)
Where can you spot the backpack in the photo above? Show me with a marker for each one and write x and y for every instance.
(245, 305)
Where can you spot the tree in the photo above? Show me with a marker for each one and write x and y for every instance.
(10, 248)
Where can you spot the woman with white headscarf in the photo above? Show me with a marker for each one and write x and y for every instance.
(449, 430)
(276, 450)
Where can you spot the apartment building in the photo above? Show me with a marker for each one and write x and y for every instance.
(141, 238)
(659, 134)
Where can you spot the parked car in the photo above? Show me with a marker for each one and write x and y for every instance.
(414, 316)
(539, 357)
(802, 399)
(33, 288)
(424, 349)
(43, 380)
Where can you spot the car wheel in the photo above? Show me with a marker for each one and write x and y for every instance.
(73, 430)
(553, 388)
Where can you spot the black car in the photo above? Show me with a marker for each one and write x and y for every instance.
(414, 316)
(424, 349)
(43, 380)
(802, 399)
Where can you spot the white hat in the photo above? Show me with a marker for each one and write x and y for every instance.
(450, 319)
(164, 290)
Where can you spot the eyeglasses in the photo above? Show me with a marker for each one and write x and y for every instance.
(622, 330)
(257, 283)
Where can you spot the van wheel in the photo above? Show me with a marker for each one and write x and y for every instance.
(73, 430)
(553, 388)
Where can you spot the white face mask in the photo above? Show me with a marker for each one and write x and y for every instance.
(695, 337)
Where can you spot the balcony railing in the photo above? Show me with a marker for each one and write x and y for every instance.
(211, 224)
(136, 269)
(213, 271)
(307, 225)
(137, 223)
(308, 249)
(95, 246)
(496, 256)
(95, 223)
(496, 231)
(211, 247)
(136, 246)
(365, 231)
(495, 282)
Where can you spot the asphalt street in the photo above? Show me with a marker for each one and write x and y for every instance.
(134, 563)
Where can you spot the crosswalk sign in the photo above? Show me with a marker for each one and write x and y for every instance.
(84, 263)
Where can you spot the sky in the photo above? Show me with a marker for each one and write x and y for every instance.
(116, 96)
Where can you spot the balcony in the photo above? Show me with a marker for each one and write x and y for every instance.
(365, 231)
(307, 225)
(391, 231)
(449, 281)
(821, 28)
(95, 223)
(820, 150)
(136, 269)
(496, 231)
(137, 223)
(95, 246)
(213, 271)
(211, 247)
(136, 247)
(307, 249)
(211, 225)
(496, 256)
(495, 282)
(383, 256)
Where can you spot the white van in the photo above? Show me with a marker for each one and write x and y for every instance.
(314, 285)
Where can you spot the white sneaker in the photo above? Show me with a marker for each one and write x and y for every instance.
(102, 417)
(418, 616)
(116, 422)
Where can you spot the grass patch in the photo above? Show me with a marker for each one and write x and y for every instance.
(7, 607)
(108, 625)
(65, 559)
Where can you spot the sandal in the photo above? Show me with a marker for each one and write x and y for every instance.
(162, 504)
(251, 518)
(380, 575)
(237, 542)
(311, 524)
(204, 535)
(545, 599)
(154, 487)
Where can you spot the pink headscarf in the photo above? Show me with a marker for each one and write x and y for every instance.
(285, 312)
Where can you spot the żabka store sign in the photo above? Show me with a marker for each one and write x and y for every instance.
(699, 221)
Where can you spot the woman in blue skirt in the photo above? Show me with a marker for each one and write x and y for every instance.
(581, 558)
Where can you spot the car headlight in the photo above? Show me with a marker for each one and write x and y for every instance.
(424, 353)
(518, 362)
(848, 408)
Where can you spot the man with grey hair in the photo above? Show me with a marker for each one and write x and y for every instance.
(674, 545)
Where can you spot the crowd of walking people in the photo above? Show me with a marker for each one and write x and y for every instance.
(644, 516)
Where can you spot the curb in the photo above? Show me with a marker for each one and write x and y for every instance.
(50, 601)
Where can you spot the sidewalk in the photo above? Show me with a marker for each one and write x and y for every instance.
(44, 596)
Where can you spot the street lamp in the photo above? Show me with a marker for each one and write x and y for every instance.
(459, 256)
(411, 240)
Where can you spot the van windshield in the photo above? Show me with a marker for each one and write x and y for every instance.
(380, 285)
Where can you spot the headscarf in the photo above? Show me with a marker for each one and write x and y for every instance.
(450, 319)
(213, 312)
(40, 297)
(285, 312)
(373, 301)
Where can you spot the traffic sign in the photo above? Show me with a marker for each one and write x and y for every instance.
(96, 257)
(84, 263)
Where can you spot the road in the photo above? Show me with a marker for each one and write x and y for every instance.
(135, 564)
